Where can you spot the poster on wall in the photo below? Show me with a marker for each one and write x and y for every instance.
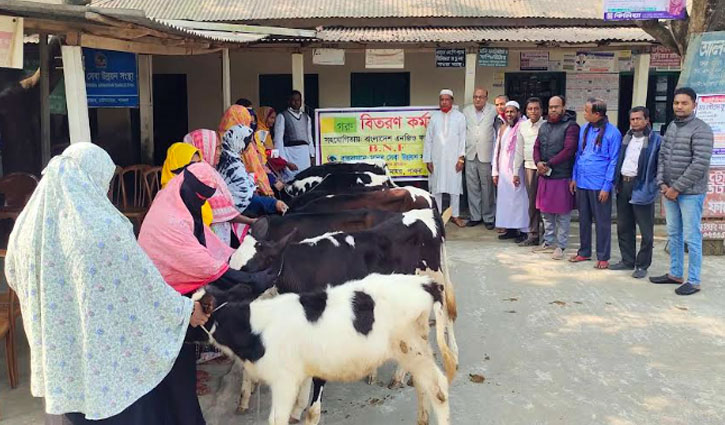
(394, 135)
(11, 42)
(627, 10)
(534, 61)
(582, 86)
(711, 109)
(328, 56)
(595, 62)
(715, 197)
(704, 63)
(385, 58)
(111, 78)
(493, 57)
(450, 58)
(663, 59)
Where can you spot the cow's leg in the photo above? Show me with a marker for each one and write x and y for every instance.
(423, 414)
(302, 398)
(248, 384)
(373, 377)
(284, 394)
(398, 380)
(417, 357)
(315, 410)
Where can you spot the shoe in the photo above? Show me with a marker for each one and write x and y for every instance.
(508, 234)
(530, 242)
(578, 258)
(558, 254)
(687, 289)
(521, 238)
(602, 265)
(639, 273)
(472, 223)
(489, 226)
(620, 266)
(544, 248)
(458, 221)
(665, 278)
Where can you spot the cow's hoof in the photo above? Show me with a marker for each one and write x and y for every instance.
(394, 385)
(293, 420)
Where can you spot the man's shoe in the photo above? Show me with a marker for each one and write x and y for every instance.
(558, 254)
(489, 226)
(665, 278)
(472, 223)
(509, 234)
(458, 221)
(620, 266)
(687, 289)
(521, 238)
(544, 248)
(530, 242)
(638, 273)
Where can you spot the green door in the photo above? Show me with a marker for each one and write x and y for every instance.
(370, 89)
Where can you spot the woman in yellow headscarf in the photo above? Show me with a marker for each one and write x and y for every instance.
(178, 157)
(253, 160)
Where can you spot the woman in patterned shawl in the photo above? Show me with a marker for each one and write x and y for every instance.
(104, 328)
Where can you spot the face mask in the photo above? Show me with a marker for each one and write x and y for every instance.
(446, 109)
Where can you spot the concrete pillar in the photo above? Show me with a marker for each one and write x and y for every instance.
(641, 79)
(75, 94)
(470, 85)
(44, 99)
(146, 107)
(226, 80)
(298, 75)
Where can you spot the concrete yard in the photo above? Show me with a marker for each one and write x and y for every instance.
(557, 343)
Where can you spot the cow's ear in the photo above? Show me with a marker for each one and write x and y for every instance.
(260, 228)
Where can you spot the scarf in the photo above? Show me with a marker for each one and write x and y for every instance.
(601, 125)
(234, 115)
(170, 233)
(511, 148)
(446, 109)
(232, 168)
(263, 135)
(194, 194)
(178, 157)
(104, 328)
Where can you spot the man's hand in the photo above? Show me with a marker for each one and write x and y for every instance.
(603, 196)
(572, 187)
(292, 167)
(198, 316)
(495, 180)
(663, 188)
(429, 165)
(517, 181)
(671, 194)
(542, 168)
(459, 166)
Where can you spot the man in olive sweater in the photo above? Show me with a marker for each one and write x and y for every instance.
(682, 175)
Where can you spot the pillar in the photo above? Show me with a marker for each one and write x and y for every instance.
(298, 75)
(75, 94)
(146, 107)
(641, 79)
(226, 80)
(44, 99)
(470, 85)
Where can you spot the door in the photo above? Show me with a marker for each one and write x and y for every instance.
(171, 116)
(523, 85)
(274, 91)
(660, 95)
(371, 89)
(626, 89)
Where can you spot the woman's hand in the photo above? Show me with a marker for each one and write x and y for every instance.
(281, 207)
(198, 317)
(279, 185)
(292, 166)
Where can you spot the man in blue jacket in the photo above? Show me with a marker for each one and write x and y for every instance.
(636, 185)
(592, 180)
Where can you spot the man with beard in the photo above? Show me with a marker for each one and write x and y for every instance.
(554, 156)
(512, 206)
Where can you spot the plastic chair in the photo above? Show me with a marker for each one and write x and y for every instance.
(9, 312)
(152, 180)
(16, 189)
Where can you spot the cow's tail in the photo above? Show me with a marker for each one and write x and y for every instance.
(450, 363)
(446, 216)
(450, 295)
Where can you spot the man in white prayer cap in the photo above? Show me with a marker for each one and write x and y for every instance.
(512, 203)
(443, 154)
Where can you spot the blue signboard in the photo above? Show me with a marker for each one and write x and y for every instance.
(111, 79)
(704, 63)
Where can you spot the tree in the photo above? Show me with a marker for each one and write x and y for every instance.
(707, 15)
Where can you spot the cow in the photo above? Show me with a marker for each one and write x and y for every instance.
(341, 333)
(376, 167)
(401, 199)
(337, 183)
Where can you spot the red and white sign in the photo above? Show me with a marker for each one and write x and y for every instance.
(663, 58)
(715, 198)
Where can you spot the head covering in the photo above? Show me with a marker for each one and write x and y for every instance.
(222, 203)
(103, 326)
(448, 92)
(231, 167)
(513, 103)
(169, 234)
(234, 115)
(178, 157)
(263, 135)
(262, 116)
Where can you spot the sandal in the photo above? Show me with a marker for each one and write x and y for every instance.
(578, 259)
(602, 265)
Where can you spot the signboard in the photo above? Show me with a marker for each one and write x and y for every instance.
(711, 109)
(450, 58)
(704, 63)
(664, 59)
(11, 42)
(534, 61)
(111, 79)
(715, 198)
(714, 230)
(394, 134)
(595, 62)
(385, 58)
(328, 56)
(580, 87)
(627, 10)
(495, 57)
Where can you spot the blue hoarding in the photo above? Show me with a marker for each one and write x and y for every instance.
(111, 79)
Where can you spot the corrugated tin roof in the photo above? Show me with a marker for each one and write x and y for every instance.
(252, 10)
(570, 35)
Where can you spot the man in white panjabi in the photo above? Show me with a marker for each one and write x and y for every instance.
(293, 136)
(443, 153)
(512, 203)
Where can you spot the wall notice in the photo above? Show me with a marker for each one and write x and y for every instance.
(395, 135)
(711, 109)
(534, 61)
(580, 87)
(450, 58)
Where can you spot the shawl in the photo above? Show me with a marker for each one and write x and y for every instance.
(234, 115)
(222, 203)
(104, 328)
(232, 168)
(178, 157)
(167, 236)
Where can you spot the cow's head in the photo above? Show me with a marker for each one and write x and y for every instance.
(254, 256)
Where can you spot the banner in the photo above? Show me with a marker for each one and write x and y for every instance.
(328, 56)
(628, 10)
(11, 42)
(385, 58)
(534, 61)
(394, 134)
(715, 198)
(711, 109)
(111, 79)
(704, 63)
(595, 62)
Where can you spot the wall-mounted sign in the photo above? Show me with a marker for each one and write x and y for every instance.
(534, 61)
(711, 109)
(582, 86)
(450, 58)
(385, 58)
(111, 79)
(328, 57)
(11, 42)
(704, 63)
(664, 59)
(627, 10)
(496, 57)
(595, 62)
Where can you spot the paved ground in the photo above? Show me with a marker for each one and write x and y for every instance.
(557, 343)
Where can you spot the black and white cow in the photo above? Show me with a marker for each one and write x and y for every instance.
(337, 183)
(375, 167)
(400, 199)
(342, 333)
